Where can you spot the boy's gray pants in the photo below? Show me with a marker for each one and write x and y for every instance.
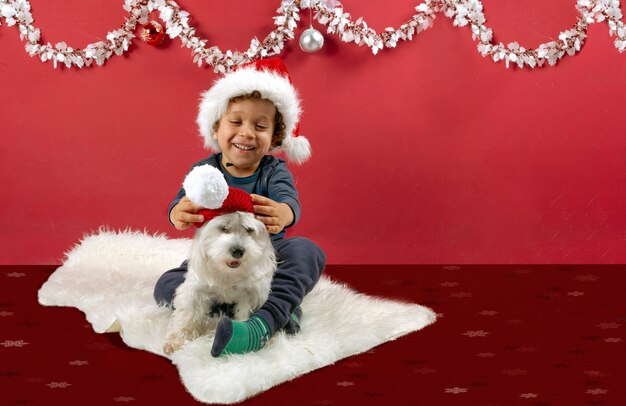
(300, 265)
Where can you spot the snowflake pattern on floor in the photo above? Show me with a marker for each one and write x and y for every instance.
(541, 349)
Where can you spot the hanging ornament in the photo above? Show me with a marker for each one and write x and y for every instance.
(152, 33)
(311, 40)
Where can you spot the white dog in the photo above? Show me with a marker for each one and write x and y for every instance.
(232, 263)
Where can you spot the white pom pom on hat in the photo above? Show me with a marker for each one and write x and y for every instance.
(205, 186)
(270, 78)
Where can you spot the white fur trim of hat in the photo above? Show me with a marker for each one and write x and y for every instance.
(270, 78)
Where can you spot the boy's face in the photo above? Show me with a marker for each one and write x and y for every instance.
(244, 134)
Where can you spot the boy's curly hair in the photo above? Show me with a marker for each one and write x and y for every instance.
(279, 125)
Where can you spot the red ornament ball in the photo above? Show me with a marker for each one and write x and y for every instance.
(152, 33)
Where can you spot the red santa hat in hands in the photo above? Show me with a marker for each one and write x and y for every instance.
(270, 78)
(205, 186)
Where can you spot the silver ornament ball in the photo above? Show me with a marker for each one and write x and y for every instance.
(311, 40)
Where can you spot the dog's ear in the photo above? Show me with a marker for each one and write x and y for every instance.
(197, 254)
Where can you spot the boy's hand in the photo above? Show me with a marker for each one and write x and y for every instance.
(185, 213)
(274, 215)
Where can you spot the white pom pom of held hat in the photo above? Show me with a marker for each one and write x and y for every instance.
(270, 78)
(205, 186)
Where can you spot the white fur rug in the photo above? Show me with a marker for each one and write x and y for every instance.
(110, 276)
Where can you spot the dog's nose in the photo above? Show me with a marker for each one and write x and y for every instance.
(237, 252)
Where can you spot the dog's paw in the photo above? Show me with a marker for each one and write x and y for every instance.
(170, 348)
(172, 345)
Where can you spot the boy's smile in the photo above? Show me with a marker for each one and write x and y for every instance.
(244, 134)
(244, 147)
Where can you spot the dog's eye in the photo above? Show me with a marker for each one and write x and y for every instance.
(249, 230)
(225, 229)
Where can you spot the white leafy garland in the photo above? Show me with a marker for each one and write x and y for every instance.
(328, 13)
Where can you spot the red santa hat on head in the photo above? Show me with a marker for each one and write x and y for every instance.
(205, 186)
(270, 78)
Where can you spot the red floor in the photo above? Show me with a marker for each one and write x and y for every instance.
(507, 335)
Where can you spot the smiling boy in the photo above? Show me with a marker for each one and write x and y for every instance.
(244, 116)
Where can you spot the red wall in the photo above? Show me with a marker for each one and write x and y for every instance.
(427, 153)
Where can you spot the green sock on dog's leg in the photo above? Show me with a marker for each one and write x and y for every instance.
(240, 337)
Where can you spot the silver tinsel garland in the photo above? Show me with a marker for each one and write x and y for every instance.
(328, 13)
